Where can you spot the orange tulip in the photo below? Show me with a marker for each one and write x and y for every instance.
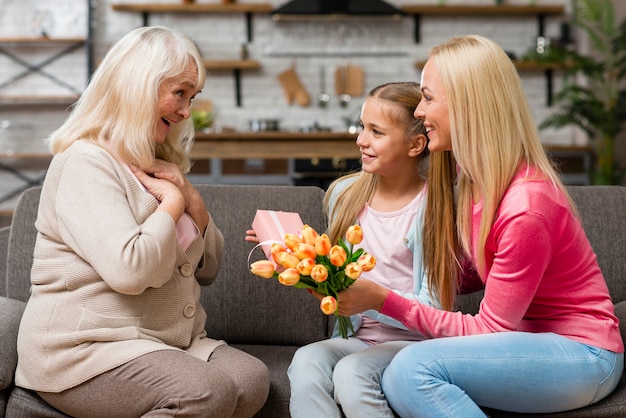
(262, 268)
(337, 255)
(354, 235)
(292, 241)
(303, 251)
(353, 271)
(309, 234)
(288, 260)
(322, 245)
(328, 305)
(289, 277)
(276, 250)
(366, 261)
(305, 266)
(319, 273)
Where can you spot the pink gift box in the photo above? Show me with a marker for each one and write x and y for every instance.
(271, 226)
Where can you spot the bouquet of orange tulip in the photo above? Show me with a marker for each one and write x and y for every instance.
(310, 262)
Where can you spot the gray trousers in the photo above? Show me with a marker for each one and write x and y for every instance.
(171, 383)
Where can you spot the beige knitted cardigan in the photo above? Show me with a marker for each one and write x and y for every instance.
(109, 281)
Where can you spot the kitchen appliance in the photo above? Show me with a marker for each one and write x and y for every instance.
(335, 8)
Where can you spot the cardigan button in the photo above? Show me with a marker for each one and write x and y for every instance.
(189, 311)
(186, 270)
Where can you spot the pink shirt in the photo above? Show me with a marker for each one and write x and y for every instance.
(541, 276)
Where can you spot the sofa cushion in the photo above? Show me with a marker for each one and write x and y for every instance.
(25, 403)
(11, 314)
(246, 309)
(277, 359)
(613, 406)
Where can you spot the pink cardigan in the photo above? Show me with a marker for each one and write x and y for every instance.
(541, 276)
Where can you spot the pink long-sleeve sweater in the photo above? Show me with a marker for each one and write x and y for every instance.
(541, 276)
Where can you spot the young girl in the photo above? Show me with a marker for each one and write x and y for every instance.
(387, 198)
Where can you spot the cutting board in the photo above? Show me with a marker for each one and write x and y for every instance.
(349, 79)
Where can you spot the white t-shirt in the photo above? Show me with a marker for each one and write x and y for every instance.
(384, 236)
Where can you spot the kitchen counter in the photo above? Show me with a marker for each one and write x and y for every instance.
(275, 145)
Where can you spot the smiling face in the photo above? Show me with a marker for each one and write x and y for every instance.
(433, 108)
(385, 149)
(175, 96)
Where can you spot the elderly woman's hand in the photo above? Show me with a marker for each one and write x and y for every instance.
(167, 193)
(194, 204)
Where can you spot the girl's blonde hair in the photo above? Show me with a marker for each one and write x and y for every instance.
(402, 99)
(118, 109)
(492, 130)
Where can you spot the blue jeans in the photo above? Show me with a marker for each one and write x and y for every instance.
(329, 373)
(511, 371)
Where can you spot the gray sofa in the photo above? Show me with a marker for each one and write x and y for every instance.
(264, 318)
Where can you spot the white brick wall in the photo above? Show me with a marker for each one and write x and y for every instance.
(384, 48)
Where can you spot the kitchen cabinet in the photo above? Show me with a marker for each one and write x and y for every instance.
(265, 153)
(338, 147)
(236, 66)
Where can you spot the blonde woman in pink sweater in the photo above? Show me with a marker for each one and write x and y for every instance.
(545, 338)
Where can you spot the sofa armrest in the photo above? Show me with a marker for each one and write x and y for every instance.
(10, 316)
(4, 249)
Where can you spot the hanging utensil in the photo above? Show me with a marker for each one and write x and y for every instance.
(341, 75)
(323, 98)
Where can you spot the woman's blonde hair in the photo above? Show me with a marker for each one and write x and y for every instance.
(119, 106)
(493, 133)
(440, 243)
(402, 99)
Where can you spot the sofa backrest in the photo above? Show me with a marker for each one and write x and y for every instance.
(243, 308)
(21, 244)
(4, 247)
(291, 316)
(603, 213)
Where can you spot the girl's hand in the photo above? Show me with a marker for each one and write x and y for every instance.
(251, 236)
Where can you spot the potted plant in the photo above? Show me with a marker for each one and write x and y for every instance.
(202, 115)
(598, 107)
